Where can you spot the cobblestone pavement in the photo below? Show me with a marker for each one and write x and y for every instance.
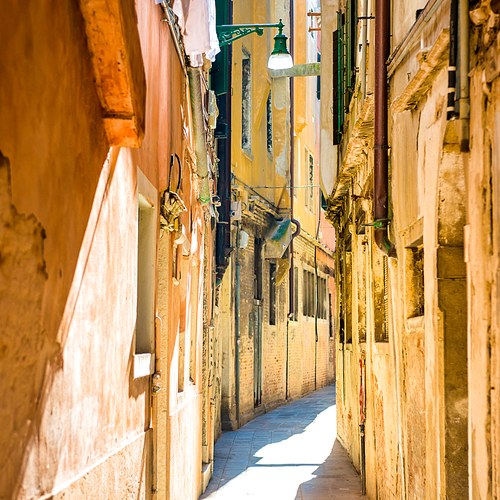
(290, 453)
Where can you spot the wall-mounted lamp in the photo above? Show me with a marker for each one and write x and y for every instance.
(280, 58)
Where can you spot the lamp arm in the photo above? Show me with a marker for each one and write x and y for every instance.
(229, 33)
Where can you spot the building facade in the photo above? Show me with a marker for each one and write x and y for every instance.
(106, 239)
(411, 192)
(274, 268)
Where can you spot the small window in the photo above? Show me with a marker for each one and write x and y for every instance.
(311, 182)
(146, 266)
(348, 296)
(322, 296)
(330, 315)
(257, 267)
(269, 129)
(305, 293)
(415, 282)
(308, 294)
(246, 101)
(272, 293)
(362, 249)
(381, 302)
(295, 315)
(309, 192)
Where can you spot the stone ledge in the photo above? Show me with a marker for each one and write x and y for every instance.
(115, 50)
(432, 61)
(359, 142)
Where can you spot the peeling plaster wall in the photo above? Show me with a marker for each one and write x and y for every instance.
(22, 337)
(309, 366)
(75, 423)
(482, 258)
(416, 382)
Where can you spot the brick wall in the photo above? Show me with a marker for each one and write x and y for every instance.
(292, 363)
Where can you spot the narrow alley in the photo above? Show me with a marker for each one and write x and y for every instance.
(250, 250)
(290, 453)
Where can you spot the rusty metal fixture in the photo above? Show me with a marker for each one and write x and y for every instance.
(380, 153)
(171, 204)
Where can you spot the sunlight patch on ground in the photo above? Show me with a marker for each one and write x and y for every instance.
(276, 470)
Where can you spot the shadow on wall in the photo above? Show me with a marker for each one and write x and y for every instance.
(54, 404)
(25, 347)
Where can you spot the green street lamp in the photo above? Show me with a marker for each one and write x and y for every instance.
(280, 58)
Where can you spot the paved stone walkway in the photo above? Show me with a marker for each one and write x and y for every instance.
(289, 453)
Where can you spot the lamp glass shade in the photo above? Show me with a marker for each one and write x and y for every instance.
(280, 61)
(280, 57)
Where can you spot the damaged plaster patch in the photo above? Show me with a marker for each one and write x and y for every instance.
(280, 93)
(23, 342)
(282, 163)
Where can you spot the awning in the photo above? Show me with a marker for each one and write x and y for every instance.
(278, 236)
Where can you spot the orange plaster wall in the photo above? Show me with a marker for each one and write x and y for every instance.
(80, 406)
(52, 132)
(91, 404)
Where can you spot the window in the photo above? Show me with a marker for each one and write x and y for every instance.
(311, 182)
(322, 296)
(381, 299)
(295, 294)
(330, 315)
(246, 103)
(345, 39)
(309, 168)
(348, 297)
(318, 80)
(257, 266)
(272, 293)
(415, 282)
(269, 114)
(297, 161)
(146, 263)
(361, 273)
(345, 265)
(308, 294)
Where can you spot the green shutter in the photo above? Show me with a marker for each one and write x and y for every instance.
(342, 74)
(336, 89)
(341, 56)
(348, 49)
(219, 74)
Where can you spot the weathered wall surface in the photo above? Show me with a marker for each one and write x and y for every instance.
(292, 363)
(80, 420)
(49, 156)
(22, 334)
(482, 255)
(185, 454)
(402, 322)
(80, 427)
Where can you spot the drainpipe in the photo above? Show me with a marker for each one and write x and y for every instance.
(364, 41)
(380, 148)
(463, 47)
(362, 418)
(286, 365)
(316, 308)
(237, 305)
(200, 140)
(291, 291)
(316, 319)
(452, 61)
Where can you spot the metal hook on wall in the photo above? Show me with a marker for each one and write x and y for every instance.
(171, 203)
(170, 172)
